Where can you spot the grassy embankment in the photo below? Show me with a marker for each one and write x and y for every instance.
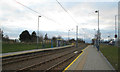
(14, 47)
(111, 53)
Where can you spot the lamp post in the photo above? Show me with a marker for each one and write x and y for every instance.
(115, 30)
(95, 38)
(38, 32)
(95, 32)
(77, 36)
(98, 33)
(83, 35)
(115, 27)
(117, 34)
(68, 35)
(118, 39)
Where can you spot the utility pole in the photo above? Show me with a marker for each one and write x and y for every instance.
(76, 36)
(38, 32)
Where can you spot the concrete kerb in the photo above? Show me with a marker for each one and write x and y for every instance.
(33, 51)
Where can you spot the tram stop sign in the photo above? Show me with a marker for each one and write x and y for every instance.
(115, 36)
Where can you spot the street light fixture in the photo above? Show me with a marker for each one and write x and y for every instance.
(38, 32)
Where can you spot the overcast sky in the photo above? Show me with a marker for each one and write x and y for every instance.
(15, 18)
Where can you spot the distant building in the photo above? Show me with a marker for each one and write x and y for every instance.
(17, 41)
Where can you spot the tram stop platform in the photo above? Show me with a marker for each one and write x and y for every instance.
(32, 51)
(90, 59)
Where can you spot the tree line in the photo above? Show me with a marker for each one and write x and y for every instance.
(25, 36)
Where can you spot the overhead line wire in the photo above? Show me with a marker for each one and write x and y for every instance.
(68, 14)
(36, 12)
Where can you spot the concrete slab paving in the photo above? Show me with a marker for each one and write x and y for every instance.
(90, 59)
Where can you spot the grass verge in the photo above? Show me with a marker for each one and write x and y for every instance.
(111, 53)
(14, 47)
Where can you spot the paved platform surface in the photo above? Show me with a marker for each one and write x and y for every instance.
(91, 59)
(31, 51)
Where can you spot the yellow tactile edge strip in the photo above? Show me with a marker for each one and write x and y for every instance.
(74, 60)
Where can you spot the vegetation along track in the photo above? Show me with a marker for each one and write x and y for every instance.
(46, 62)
